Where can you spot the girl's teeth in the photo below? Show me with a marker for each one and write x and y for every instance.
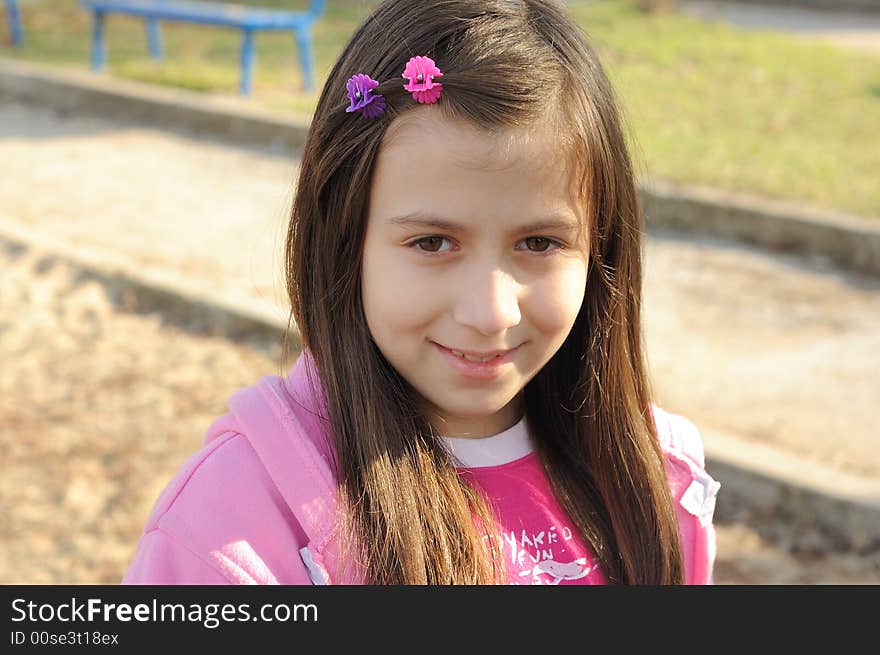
(471, 358)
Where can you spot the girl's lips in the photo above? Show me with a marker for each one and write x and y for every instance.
(477, 370)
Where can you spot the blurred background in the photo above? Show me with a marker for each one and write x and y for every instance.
(147, 173)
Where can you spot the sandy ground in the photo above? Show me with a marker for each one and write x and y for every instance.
(100, 404)
(765, 346)
(201, 209)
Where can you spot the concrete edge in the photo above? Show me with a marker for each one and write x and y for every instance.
(131, 102)
(849, 242)
(767, 479)
(195, 306)
(757, 476)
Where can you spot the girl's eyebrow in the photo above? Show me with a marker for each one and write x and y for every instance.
(421, 219)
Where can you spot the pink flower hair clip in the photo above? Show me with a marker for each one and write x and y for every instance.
(360, 93)
(420, 73)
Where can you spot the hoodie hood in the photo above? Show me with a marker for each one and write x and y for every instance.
(285, 421)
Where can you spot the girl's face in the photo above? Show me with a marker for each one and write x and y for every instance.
(454, 259)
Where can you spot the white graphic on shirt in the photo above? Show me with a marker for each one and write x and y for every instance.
(540, 556)
(560, 570)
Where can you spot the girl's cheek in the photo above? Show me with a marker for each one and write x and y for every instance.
(416, 297)
(400, 292)
(553, 303)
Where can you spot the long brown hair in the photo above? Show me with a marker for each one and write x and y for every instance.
(506, 63)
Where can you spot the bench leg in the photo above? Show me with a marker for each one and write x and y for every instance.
(306, 61)
(247, 62)
(154, 38)
(97, 41)
(14, 21)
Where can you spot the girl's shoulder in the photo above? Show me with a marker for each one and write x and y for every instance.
(693, 492)
(219, 519)
(679, 437)
(256, 491)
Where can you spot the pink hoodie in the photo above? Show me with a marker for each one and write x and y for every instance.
(257, 503)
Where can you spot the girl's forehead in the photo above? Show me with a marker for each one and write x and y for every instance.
(452, 168)
(430, 132)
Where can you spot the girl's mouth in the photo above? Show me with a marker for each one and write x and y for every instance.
(473, 367)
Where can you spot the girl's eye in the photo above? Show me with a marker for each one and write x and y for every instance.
(542, 245)
(434, 243)
(540, 241)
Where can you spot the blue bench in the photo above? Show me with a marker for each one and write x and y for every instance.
(14, 16)
(248, 19)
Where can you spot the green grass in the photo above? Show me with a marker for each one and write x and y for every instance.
(746, 111)
(197, 57)
(705, 103)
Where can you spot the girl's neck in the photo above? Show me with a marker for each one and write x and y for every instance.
(510, 445)
(479, 428)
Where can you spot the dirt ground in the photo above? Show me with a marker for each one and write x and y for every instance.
(100, 404)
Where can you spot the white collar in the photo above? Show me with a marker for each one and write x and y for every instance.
(507, 446)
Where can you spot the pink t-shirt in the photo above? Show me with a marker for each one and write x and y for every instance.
(540, 544)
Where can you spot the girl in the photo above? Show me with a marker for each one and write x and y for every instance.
(471, 404)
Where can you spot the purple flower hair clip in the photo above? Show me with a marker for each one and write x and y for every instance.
(360, 93)
(420, 73)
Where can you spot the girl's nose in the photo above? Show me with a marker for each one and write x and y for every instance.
(488, 303)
